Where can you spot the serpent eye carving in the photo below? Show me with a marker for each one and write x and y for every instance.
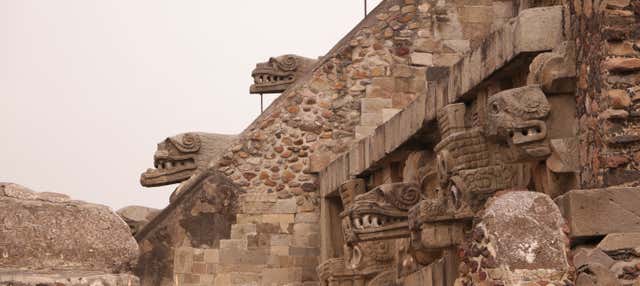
(495, 108)
(288, 63)
(189, 143)
(404, 198)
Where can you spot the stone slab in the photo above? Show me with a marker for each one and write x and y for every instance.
(615, 242)
(598, 212)
(585, 256)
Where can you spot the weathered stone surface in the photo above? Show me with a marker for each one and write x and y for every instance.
(538, 29)
(584, 256)
(200, 217)
(596, 275)
(621, 242)
(137, 216)
(50, 231)
(422, 59)
(67, 278)
(621, 65)
(599, 212)
(524, 231)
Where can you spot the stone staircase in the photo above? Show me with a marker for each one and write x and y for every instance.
(272, 243)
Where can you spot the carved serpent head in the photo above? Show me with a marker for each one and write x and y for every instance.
(178, 157)
(381, 213)
(279, 73)
(517, 117)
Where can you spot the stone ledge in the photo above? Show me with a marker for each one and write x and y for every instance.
(534, 30)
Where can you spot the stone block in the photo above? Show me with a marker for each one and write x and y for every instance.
(248, 218)
(244, 279)
(421, 59)
(382, 87)
(441, 235)
(388, 113)
(598, 212)
(279, 250)
(428, 45)
(223, 279)
(279, 218)
(584, 256)
(258, 197)
(287, 206)
(459, 46)
(280, 239)
(596, 275)
(304, 251)
(621, 242)
(317, 162)
(374, 105)
(306, 228)
(364, 131)
(310, 217)
(476, 14)
(241, 256)
(371, 119)
(239, 231)
(444, 60)
(539, 29)
(281, 276)
(503, 9)
(306, 240)
(233, 244)
(404, 71)
(211, 255)
(183, 259)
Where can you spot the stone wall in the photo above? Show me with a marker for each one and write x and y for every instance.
(608, 42)
(199, 218)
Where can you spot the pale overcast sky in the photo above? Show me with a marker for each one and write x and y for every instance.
(88, 87)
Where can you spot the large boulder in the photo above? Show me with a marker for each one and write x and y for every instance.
(47, 231)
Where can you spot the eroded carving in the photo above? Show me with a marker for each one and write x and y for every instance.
(279, 73)
(490, 153)
(179, 157)
(516, 116)
(381, 213)
(555, 71)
